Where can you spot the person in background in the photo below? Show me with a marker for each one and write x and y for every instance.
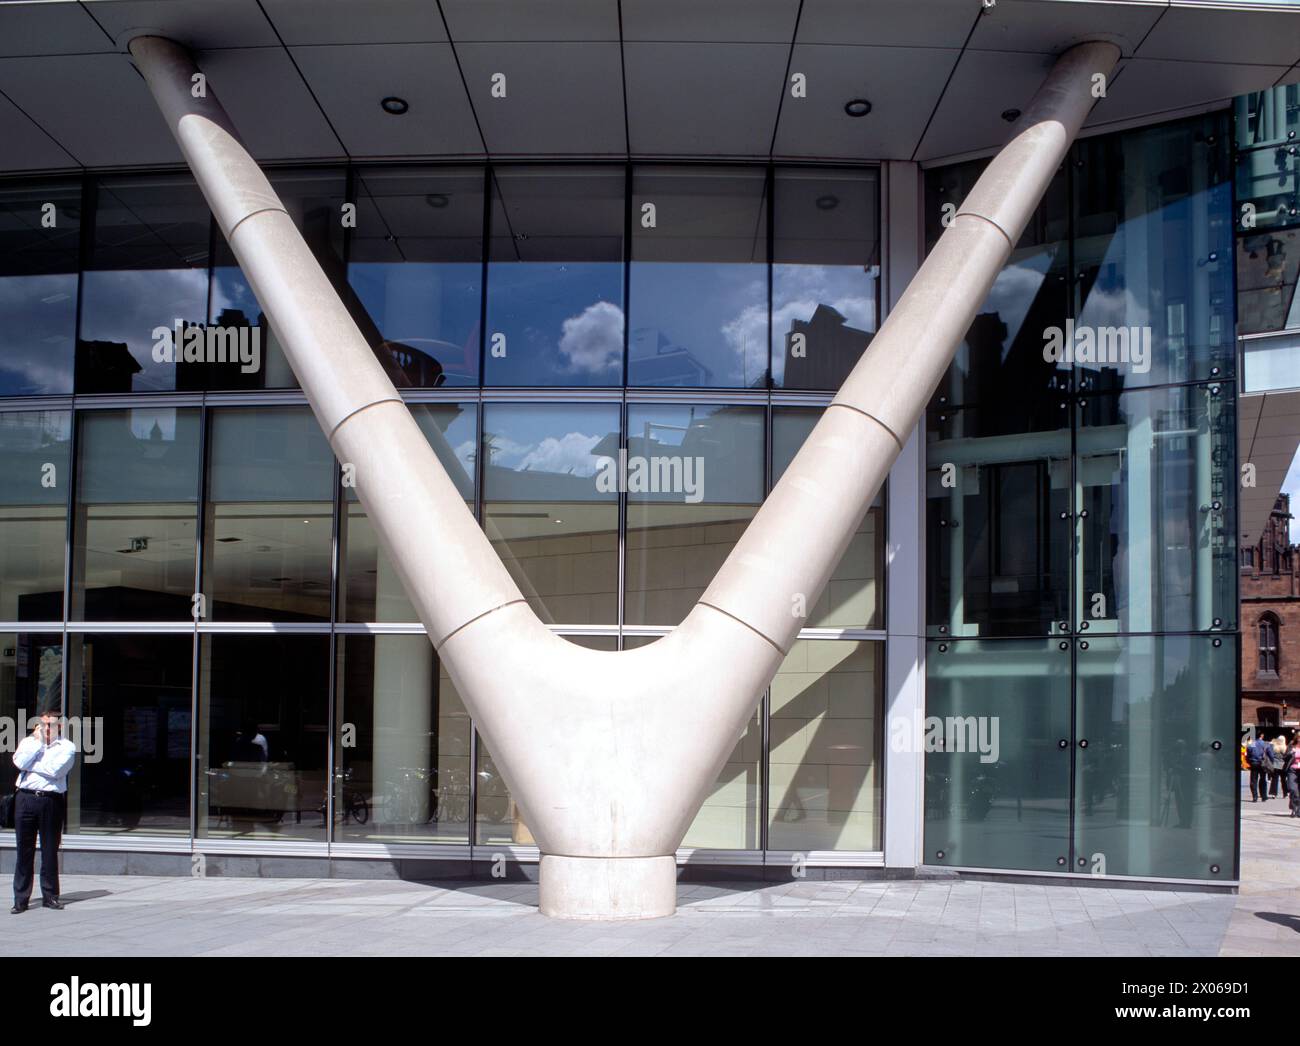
(1259, 757)
(1277, 785)
(45, 759)
(1291, 772)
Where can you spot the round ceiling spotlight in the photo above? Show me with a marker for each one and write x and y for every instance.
(827, 202)
(857, 107)
(394, 106)
(1011, 115)
(437, 200)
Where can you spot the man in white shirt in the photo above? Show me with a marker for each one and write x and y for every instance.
(45, 759)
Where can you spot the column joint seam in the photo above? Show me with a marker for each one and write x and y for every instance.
(766, 638)
(253, 214)
(858, 410)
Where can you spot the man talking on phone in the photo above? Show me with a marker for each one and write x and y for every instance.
(44, 758)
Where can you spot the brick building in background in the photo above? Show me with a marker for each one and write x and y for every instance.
(1270, 624)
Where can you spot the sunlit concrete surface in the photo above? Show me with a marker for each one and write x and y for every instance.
(126, 915)
(1266, 918)
(138, 915)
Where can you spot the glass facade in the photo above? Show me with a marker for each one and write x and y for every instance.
(182, 558)
(1081, 527)
(1267, 214)
(615, 363)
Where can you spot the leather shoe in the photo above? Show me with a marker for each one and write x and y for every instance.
(52, 902)
(18, 909)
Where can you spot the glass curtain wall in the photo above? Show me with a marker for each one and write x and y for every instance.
(229, 606)
(1081, 592)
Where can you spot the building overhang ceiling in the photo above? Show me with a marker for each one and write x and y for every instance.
(303, 79)
(1268, 433)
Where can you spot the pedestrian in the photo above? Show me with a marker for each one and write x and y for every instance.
(45, 759)
(1292, 772)
(1259, 757)
(1277, 785)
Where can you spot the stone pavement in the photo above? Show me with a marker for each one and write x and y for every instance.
(114, 915)
(1266, 917)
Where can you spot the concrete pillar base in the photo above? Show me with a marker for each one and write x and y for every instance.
(608, 889)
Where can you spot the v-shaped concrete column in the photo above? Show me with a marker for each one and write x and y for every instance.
(610, 755)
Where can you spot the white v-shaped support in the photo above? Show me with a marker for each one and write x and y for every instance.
(610, 755)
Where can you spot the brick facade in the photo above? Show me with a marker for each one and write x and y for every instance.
(1270, 623)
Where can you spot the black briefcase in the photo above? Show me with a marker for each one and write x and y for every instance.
(7, 810)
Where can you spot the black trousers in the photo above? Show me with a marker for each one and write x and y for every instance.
(1259, 782)
(37, 815)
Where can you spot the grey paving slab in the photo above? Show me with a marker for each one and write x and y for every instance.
(112, 915)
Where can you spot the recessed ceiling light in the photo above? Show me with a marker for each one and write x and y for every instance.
(857, 107)
(394, 106)
(1011, 115)
(828, 202)
(437, 200)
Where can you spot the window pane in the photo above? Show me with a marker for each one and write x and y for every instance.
(137, 497)
(403, 744)
(416, 272)
(269, 515)
(369, 589)
(31, 682)
(35, 474)
(138, 688)
(1158, 555)
(263, 736)
(826, 732)
(148, 269)
(498, 819)
(699, 278)
(694, 480)
(555, 282)
(1001, 359)
(997, 776)
(550, 506)
(314, 200)
(999, 519)
(1153, 249)
(855, 595)
(825, 275)
(1268, 265)
(38, 287)
(1154, 796)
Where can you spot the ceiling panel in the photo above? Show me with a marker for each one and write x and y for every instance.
(1050, 28)
(902, 85)
(1208, 35)
(350, 82)
(710, 99)
(195, 23)
(27, 147)
(32, 29)
(984, 85)
(721, 21)
(1147, 87)
(356, 21)
(527, 20)
(560, 97)
(888, 23)
(96, 106)
(293, 128)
